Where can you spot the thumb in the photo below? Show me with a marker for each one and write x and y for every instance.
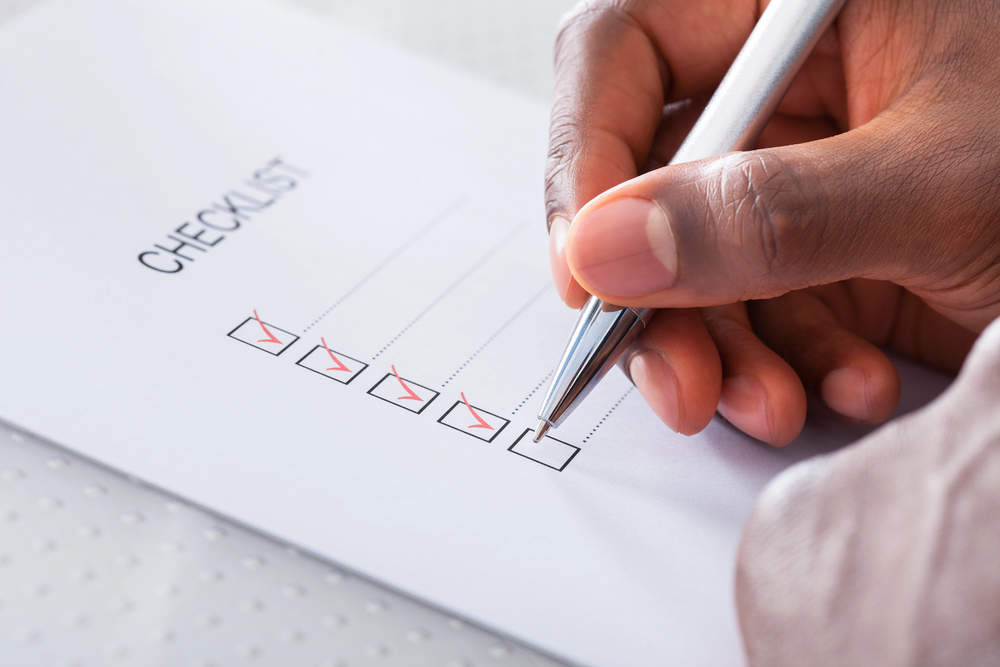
(757, 224)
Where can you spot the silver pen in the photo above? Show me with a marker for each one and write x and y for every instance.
(732, 121)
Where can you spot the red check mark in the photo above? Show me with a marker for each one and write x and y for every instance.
(482, 422)
(270, 336)
(340, 366)
(410, 395)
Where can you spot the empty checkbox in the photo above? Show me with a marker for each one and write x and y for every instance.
(550, 452)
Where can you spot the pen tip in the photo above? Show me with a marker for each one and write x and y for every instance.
(540, 430)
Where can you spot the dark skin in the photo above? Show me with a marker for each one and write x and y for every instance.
(868, 218)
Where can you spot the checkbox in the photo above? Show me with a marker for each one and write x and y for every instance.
(332, 364)
(473, 421)
(550, 452)
(263, 336)
(403, 393)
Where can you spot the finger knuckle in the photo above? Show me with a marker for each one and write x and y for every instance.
(587, 25)
(586, 35)
(771, 210)
(574, 23)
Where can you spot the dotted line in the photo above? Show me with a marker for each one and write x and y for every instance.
(605, 418)
(385, 262)
(462, 278)
(533, 392)
(506, 324)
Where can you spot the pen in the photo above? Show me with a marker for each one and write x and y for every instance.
(732, 121)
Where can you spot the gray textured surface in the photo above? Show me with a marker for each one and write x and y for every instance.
(509, 41)
(96, 569)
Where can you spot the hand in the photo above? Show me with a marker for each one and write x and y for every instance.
(867, 217)
(885, 553)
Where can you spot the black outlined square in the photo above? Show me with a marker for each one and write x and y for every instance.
(263, 336)
(473, 421)
(401, 392)
(332, 364)
(550, 452)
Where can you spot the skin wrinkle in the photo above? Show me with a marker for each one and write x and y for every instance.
(626, 20)
(858, 246)
(925, 184)
(954, 47)
(878, 60)
(578, 155)
(977, 184)
(569, 129)
(764, 194)
(762, 213)
(967, 291)
(984, 145)
(807, 209)
(955, 283)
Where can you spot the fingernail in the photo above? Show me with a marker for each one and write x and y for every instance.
(561, 275)
(744, 405)
(847, 391)
(658, 385)
(624, 248)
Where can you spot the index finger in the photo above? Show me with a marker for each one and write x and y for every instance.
(617, 64)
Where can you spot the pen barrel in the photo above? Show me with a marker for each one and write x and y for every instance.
(602, 334)
(759, 78)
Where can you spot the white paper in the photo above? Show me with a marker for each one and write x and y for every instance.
(354, 366)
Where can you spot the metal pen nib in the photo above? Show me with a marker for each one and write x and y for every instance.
(540, 430)
(602, 334)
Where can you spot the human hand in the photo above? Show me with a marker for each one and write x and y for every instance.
(868, 217)
(885, 553)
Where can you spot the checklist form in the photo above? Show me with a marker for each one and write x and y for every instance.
(315, 283)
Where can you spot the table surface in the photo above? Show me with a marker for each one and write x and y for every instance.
(97, 568)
